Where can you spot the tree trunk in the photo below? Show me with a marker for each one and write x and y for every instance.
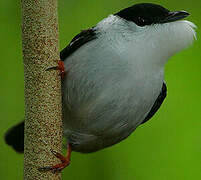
(43, 114)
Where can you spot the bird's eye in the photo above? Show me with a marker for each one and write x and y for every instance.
(141, 20)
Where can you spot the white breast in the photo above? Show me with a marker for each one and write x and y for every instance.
(111, 86)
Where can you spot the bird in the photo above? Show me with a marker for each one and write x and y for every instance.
(114, 79)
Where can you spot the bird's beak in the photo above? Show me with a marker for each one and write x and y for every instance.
(174, 16)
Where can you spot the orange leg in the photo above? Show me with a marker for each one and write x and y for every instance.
(65, 161)
(60, 67)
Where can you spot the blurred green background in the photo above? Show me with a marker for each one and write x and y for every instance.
(167, 147)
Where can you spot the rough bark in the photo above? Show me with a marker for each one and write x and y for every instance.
(43, 114)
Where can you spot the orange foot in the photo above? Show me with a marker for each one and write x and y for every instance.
(60, 67)
(65, 161)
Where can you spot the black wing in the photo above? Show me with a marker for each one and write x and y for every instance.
(157, 103)
(80, 39)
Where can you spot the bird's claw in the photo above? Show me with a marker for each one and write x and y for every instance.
(65, 161)
(60, 67)
(46, 168)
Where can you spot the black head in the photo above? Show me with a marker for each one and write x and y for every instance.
(148, 13)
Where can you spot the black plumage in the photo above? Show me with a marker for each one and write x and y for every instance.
(15, 137)
(157, 103)
(80, 39)
(144, 13)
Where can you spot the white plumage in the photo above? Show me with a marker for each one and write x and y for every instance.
(114, 80)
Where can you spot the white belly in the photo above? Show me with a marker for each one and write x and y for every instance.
(105, 98)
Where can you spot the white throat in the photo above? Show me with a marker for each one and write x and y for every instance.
(155, 43)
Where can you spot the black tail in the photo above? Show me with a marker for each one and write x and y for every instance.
(15, 137)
